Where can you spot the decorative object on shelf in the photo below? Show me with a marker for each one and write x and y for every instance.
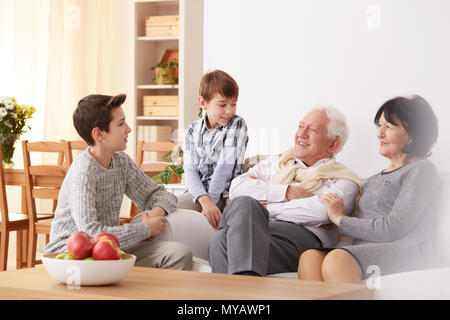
(175, 167)
(160, 106)
(162, 26)
(13, 118)
(166, 71)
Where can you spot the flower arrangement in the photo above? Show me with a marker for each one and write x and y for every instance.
(13, 118)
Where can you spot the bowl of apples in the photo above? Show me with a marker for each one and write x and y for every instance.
(89, 261)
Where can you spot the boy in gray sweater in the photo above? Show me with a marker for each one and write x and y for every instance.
(92, 192)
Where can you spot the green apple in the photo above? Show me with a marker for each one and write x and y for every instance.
(65, 256)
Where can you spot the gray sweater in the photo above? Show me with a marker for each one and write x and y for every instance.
(91, 196)
(394, 203)
(397, 220)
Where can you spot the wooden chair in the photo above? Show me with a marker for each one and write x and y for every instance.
(152, 168)
(74, 145)
(11, 222)
(42, 182)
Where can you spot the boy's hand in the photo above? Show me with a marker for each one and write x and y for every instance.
(210, 211)
(155, 221)
(157, 211)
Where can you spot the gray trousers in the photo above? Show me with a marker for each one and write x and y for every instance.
(247, 241)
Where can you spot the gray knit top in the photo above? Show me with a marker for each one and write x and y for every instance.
(397, 204)
(91, 196)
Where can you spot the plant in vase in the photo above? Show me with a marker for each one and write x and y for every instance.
(13, 118)
(166, 73)
(175, 167)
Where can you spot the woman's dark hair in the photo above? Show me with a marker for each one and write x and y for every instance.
(95, 111)
(418, 119)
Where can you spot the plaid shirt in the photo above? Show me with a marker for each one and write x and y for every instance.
(213, 157)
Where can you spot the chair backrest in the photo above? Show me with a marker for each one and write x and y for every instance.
(73, 145)
(152, 168)
(3, 201)
(44, 181)
(160, 146)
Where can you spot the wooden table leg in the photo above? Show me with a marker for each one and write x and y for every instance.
(24, 240)
(19, 247)
(24, 248)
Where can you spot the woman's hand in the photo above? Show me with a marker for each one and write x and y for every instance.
(335, 207)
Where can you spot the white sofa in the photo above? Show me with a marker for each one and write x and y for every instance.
(191, 228)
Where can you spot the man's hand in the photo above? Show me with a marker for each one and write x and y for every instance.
(210, 211)
(335, 207)
(155, 221)
(297, 192)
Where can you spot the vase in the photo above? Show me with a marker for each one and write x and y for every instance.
(8, 145)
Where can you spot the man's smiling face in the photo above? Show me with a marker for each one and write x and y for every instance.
(311, 139)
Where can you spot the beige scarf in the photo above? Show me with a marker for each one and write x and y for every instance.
(311, 178)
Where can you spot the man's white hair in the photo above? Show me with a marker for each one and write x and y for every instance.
(337, 125)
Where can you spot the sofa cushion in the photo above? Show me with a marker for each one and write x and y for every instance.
(191, 228)
(253, 160)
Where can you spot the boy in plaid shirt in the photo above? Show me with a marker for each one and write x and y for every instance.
(214, 147)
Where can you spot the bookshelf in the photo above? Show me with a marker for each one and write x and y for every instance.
(148, 51)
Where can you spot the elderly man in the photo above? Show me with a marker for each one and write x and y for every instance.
(275, 213)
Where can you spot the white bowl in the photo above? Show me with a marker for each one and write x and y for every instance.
(88, 272)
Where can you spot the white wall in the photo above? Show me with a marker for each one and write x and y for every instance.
(288, 55)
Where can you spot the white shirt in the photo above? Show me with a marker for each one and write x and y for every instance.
(309, 212)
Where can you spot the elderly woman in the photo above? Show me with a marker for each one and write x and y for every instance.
(397, 211)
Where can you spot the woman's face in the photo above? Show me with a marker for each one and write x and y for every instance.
(393, 139)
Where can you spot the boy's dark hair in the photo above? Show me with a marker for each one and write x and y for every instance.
(95, 111)
(418, 119)
(220, 82)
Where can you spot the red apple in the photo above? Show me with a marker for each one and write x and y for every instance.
(109, 235)
(80, 245)
(106, 249)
